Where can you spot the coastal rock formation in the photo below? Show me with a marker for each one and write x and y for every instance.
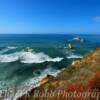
(82, 76)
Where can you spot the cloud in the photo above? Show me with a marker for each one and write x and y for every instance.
(97, 18)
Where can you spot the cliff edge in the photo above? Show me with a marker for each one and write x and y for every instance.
(80, 77)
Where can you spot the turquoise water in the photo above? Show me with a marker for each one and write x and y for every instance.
(48, 55)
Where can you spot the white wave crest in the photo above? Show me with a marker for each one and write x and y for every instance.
(74, 56)
(28, 57)
(7, 49)
(11, 47)
(8, 58)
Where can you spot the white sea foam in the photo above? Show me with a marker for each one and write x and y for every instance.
(27, 57)
(7, 49)
(32, 83)
(73, 56)
(11, 47)
(35, 82)
(8, 58)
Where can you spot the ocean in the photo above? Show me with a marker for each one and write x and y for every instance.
(24, 70)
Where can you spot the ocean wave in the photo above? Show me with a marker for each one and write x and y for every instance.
(28, 57)
(11, 47)
(73, 56)
(35, 82)
(7, 49)
(7, 58)
(37, 58)
(31, 83)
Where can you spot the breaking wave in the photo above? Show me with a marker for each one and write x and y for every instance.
(73, 56)
(7, 49)
(32, 83)
(28, 57)
(35, 82)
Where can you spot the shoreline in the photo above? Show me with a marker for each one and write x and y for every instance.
(81, 70)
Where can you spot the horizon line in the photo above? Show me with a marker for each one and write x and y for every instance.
(52, 33)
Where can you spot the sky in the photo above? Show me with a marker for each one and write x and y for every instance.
(49, 16)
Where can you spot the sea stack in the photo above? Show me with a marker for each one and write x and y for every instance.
(70, 46)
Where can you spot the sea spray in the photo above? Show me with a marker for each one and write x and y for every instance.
(28, 57)
(7, 49)
(30, 84)
(73, 56)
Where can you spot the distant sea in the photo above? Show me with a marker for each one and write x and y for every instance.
(49, 55)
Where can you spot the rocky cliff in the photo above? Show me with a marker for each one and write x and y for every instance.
(82, 76)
